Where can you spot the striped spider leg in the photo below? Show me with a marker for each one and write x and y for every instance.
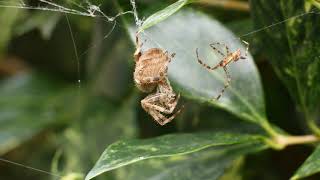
(161, 103)
(228, 58)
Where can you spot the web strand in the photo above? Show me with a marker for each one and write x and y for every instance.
(89, 12)
(135, 13)
(75, 51)
(30, 168)
(93, 45)
(66, 11)
(277, 23)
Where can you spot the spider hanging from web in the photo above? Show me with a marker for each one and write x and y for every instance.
(151, 73)
(228, 58)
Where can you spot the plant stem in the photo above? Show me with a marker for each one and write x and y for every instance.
(294, 140)
(269, 129)
(313, 127)
(282, 141)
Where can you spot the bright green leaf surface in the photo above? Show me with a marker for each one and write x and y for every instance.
(126, 152)
(163, 14)
(310, 166)
(208, 164)
(182, 34)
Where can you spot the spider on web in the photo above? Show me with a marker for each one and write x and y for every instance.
(151, 72)
(228, 57)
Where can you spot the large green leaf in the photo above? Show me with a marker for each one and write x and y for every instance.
(208, 164)
(182, 34)
(310, 166)
(293, 48)
(126, 152)
(29, 104)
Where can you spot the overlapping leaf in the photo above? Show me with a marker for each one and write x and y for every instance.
(127, 152)
(293, 48)
(310, 166)
(209, 164)
(186, 31)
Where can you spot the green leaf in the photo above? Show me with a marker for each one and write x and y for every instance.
(188, 30)
(293, 48)
(45, 22)
(104, 66)
(197, 117)
(29, 104)
(126, 152)
(315, 3)
(163, 14)
(208, 164)
(99, 120)
(310, 166)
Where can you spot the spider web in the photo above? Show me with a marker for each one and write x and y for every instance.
(87, 9)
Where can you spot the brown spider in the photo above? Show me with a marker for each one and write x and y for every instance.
(150, 73)
(227, 59)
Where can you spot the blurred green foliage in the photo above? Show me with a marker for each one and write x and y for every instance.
(81, 117)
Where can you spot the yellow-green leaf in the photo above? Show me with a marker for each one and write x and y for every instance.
(310, 166)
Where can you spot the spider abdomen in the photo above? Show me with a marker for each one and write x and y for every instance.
(150, 69)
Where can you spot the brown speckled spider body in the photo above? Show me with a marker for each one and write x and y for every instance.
(150, 74)
(151, 68)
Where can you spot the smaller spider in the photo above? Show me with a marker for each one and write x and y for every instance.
(151, 73)
(227, 59)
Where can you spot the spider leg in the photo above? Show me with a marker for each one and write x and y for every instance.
(227, 84)
(161, 119)
(171, 57)
(247, 47)
(174, 104)
(156, 110)
(205, 65)
(138, 43)
(137, 39)
(166, 120)
(150, 103)
(212, 45)
(155, 116)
